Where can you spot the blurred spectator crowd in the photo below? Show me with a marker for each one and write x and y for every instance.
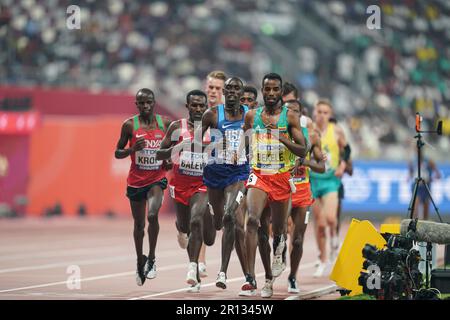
(377, 79)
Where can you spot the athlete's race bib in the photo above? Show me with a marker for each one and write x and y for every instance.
(230, 154)
(146, 158)
(270, 156)
(301, 176)
(298, 180)
(192, 163)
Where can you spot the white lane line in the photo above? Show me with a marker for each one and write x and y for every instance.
(314, 293)
(37, 244)
(84, 262)
(62, 252)
(302, 267)
(106, 276)
(66, 264)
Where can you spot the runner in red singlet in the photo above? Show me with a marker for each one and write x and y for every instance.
(146, 179)
(186, 184)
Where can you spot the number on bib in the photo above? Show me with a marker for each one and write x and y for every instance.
(252, 180)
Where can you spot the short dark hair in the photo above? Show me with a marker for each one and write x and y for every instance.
(251, 90)
(144, 91)
(196, 92)
(235, 79)
(272, 76)
(288, 88)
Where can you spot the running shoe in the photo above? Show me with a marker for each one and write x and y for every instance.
(191, 277)
(267, 290)
(150, 269)
(221, 281)
(194, 288)
(278, 266)
(202, 270)
(320, 270)
(293, 286)
(140, 273)
(248, 289)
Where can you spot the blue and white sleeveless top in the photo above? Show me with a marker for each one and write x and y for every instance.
(231, 131)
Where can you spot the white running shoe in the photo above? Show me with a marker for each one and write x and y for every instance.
(183, 240)
(317, 262)
(221, 281)
(191, 277)
(150, 269)
(293, 286)
(202, 270)
(320, 270)
(278, 266)
(194, 288)
(267, 290)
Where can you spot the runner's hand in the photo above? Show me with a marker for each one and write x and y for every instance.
(167, 164)
(340, 170)
(139, 145)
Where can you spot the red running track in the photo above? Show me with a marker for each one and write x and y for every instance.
(39, 256)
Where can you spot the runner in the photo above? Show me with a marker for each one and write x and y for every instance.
(341, 192)
(186, 185)
(250, 97)
(302, 198)
(215, 82)
(325, 186)
(146, 179)
(290, 92)
(226, 173)
(273, 128)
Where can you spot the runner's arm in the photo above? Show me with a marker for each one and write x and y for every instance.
(342, 142)
(125, 136)
(167, 122)
(318, 164)
(207, 122)
(168, 142)
(298, 147)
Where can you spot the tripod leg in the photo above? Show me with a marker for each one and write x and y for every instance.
(432, 201)
(412, 203)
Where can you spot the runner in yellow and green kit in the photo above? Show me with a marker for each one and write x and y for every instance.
(276, 134)
(325, 186)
